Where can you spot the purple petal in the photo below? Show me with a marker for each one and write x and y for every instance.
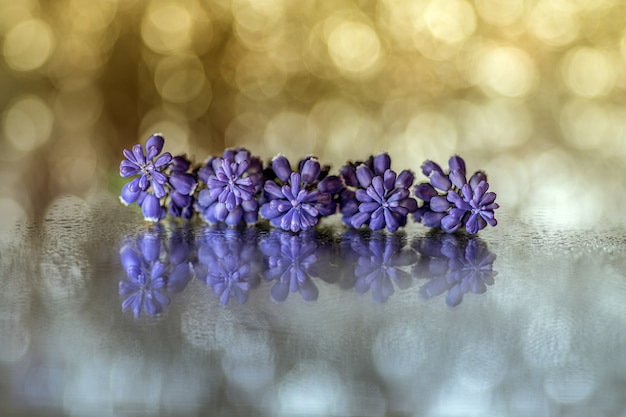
(489, 217)
(331, 185)
(439, 204)
(477, 178)
(382, 162)
(390, 219)
(159, 190)
(268, 212)
(377, 222)
(472, 224)
(163, 160)
(348, 173)
(139, 156)
(183, 183)
(234, 217)
(310, 171)
(127, 196)
(405, 179)
(151, 208)
(363, 196)
(364, 175)
(425, 191)
(450, 223)
(128, 169)
(273, 189)
(487, 199)
(458, 178)
(432, 219)
(440, 181)
(181, 200)
(359, 219)
(457, 163)
(368, 207)
(458, 201)
(428, 167)
(379, 187)
(389, 179)
(281, 167)
(144, 182)
(155, 141)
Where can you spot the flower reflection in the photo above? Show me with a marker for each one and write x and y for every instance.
(228, 261)
(293, 262)
(381, 264)
(456, 265)
(154, 268)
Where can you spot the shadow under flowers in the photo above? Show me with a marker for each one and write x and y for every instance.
(155, 266)
(455, 264)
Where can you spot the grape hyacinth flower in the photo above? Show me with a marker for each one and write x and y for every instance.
(233, 188)
(150, 170)
(451, 202)
(297, 200)
(381, 198)
(183, 184)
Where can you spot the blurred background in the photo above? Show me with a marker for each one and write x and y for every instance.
(530, 90)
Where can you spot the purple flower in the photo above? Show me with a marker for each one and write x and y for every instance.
(473, 207)
(183, 183)
(151, 177)
(151, 272)
(229, 262)
(381, 265)
(234, 183)
(297, 200)
(292, 263)
(381, 198)
(450, 202)
(455, 266)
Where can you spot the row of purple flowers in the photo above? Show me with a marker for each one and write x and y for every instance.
(234, 261)
(235, 187)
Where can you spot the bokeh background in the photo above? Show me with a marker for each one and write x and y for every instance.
(530, 90)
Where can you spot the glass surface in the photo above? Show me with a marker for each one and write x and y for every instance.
(525, 319)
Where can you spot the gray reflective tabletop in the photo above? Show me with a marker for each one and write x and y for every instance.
(102, 314)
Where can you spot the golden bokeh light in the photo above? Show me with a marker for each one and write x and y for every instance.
(354, 48)
(500, 81)
(505, 71)
(180, 79)
(554, 22)
(166, 27)
(28, 45)
(27, 123)
(450, 21)
(500, 12)
(588, 72)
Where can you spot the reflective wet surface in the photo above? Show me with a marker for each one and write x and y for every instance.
(101, 314)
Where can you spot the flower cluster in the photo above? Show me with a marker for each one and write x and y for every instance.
(381, 197)
(297, 199)
(157, 177)
(236, 187)
(452, 202)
